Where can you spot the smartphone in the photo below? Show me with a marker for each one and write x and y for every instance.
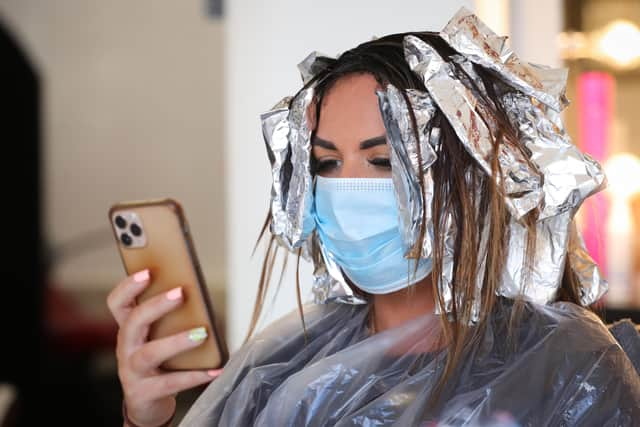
(154, 235)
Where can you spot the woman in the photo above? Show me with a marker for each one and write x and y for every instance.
(426, 177)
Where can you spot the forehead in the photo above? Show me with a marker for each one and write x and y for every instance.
(349, 110)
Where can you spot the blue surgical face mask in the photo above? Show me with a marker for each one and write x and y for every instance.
(357, 222)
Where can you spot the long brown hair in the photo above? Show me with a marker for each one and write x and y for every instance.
(457, 178)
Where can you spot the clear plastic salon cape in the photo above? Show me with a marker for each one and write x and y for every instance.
(562, 369)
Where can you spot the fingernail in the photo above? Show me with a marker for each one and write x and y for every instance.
(214, 372)
(198, 334)
(174, 294)
(141, 276)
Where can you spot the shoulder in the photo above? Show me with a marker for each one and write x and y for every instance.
(588, 367)
(567, 344)
(568, 333)
(574, 371)
(577, 330)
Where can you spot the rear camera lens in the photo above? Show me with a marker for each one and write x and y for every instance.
(120, 222)
(126, 239)
(136, 230)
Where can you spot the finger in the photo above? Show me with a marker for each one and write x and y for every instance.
(122, 298)
(215, 373)
(172, 383)
(151, 355)
(134, 330)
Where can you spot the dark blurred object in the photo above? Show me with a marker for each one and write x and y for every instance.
(21, 266)
(49, 346)
(611, 315)
(629, 339)
(71, 331)
(75, 342)
(214, 8)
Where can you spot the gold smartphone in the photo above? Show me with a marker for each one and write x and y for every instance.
(154, 235)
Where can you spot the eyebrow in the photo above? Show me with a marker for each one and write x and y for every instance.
(367, 143)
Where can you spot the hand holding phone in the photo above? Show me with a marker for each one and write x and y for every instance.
(154, 236)
(162, 307)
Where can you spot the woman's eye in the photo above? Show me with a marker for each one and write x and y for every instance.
(323, 166)
(381, 162)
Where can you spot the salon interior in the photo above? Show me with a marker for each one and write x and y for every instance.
(117, 100)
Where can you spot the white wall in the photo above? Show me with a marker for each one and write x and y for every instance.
(132, 109)
(534, 26)
(264, 41)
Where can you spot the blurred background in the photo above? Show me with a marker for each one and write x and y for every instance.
(119, 100)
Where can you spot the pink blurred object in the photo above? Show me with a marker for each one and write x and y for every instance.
(595, 110)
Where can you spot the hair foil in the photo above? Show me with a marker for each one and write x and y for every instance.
(313, 65)
(410, 157)
(329, 284)
(521, 181)
(570, 176)
(540, 281)
(478, 43)
(592, 285)
(286, 131)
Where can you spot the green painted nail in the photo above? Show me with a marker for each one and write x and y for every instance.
(198, 334)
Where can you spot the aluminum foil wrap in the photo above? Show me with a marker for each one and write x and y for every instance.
(287, 129)
(540, 281)
(329, 284)
(312, 65)
(570, 176)
(407, 162)
(445, 282)
(477, 42)
(275, 130)
(522, 183)
(557, 238)
(593, 285)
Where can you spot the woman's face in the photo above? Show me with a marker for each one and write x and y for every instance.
(350, 140)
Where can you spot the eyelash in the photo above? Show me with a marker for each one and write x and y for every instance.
(327, 165)
(381, 162)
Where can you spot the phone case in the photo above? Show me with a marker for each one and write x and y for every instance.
(168, 252)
